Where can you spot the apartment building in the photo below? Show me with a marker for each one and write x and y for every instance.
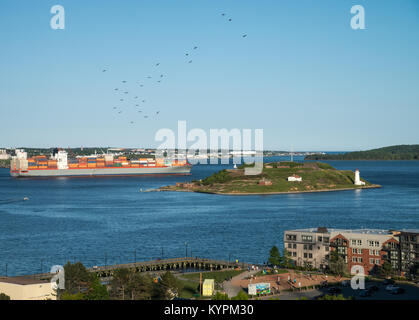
(368, 248)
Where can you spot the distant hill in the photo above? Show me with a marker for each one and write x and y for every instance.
(400, 152)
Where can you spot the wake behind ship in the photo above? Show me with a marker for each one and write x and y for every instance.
(59, 165)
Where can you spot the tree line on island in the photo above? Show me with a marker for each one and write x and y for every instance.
(399, 152)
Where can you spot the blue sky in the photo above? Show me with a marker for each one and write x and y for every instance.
(301, 74)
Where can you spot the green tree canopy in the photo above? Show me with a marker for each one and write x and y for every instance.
(4, 296)
(274, 256)
(172, 285)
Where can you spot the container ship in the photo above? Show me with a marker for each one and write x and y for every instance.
(59, 165)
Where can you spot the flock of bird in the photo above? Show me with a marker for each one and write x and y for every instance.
(134, 100)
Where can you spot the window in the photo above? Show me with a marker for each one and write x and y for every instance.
(294, 246)
(370, 243)
(371, 252)
(320, 239)
(305, 247)
(354, 259)
(359, 260)
(294, 254)
(291, 237)
(354, 250)
(377, 243)
(359, 242)
(310, 247)
(377, 261)
(306, 238)
(310, 255)
(305, 254)
(372, 261)
(326, 248)
(354, 242)
(289, 246)
(326, 239)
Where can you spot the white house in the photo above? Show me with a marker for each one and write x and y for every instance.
(295, 177)
(358, 181)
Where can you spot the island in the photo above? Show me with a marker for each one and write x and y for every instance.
(276, 178)
(399, 152)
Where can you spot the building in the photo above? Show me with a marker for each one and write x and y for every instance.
(368, 248)
(208, 287)
(4, 155)
(358, 181)
(22, 288)
(365, 247)
(295, 177)
(265, 182)
(308, 247)
(409, 251)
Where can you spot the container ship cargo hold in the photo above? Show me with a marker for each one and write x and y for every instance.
(58, 165)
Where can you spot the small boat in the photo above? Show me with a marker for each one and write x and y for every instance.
(25, 199)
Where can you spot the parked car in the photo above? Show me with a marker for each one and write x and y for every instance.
(365, 293)
(334, 290)
(386, 282)
(397, 290)
(391, 287)
(373, 288)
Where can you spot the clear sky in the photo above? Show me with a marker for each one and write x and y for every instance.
(301, 74)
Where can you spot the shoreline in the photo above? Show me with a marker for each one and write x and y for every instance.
(375, 186)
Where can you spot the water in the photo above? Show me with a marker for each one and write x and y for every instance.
(107, 220)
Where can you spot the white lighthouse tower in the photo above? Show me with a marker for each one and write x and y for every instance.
(358, 181)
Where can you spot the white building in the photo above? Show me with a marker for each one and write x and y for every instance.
(358, 181)
(295, 177)
(21, 288)
(4, 155)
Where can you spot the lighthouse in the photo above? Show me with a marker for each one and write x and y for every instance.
(358, 181)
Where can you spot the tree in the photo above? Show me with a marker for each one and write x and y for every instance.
(119, 283)
(334, 297)
(274, 256)
(68, 296)
(77, 277)
(241, 296)
(97, 291)
(287, 262)
(140, 287)
(337, 264)
(4, 296)
(172, 285)
(386, 269)
(220, 296)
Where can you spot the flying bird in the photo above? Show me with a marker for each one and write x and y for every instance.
(245, 35)
(104, 70)
(135, 97)
(190, 61)
(126, 92)
(157, 112)
(230, 19)
(149, 77)
(116, 89)
(120, 112)
(124, 81)
(121, 99)
(195, 48)
(157, 64)
(223, 14)
(146, 117)
(161, 76)
(143, 100)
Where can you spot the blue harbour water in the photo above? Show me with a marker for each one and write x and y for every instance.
(107, 220)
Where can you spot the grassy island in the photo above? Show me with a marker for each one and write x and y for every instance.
(316, 177)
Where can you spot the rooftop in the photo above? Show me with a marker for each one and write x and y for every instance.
(21, 280)
(354, 231)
